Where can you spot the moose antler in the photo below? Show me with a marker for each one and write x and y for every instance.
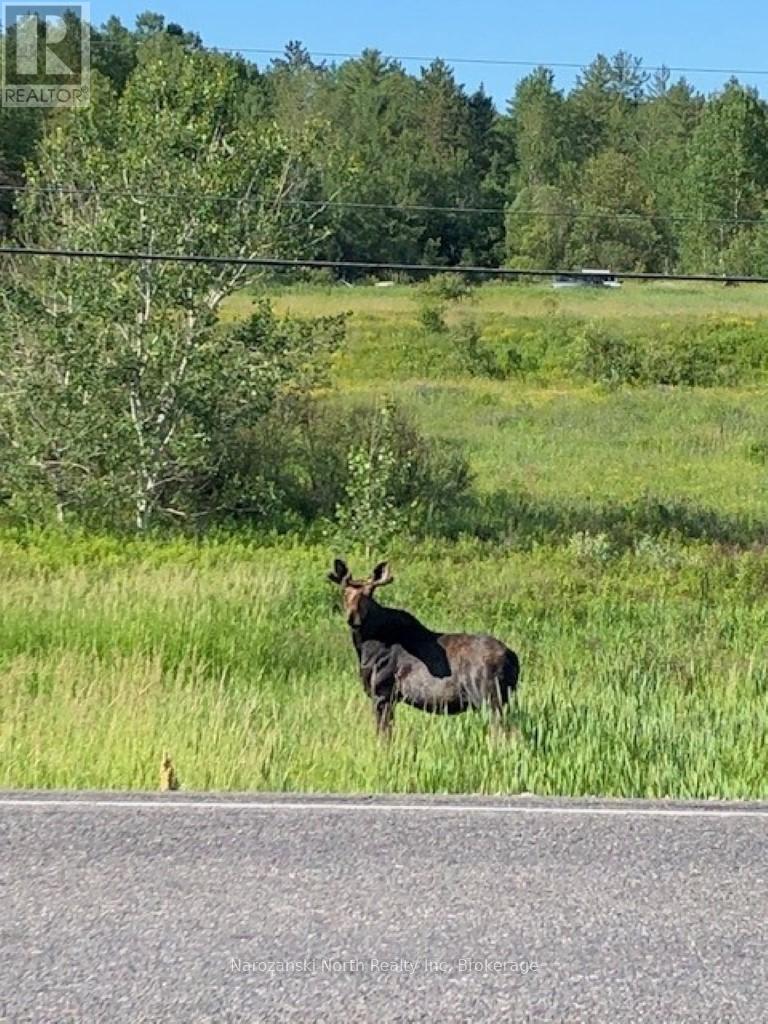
(340, 573)
(381, 575)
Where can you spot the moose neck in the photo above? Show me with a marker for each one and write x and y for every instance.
(391, 626)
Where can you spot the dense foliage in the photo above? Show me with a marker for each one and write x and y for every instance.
(126, 401)
(627, 169)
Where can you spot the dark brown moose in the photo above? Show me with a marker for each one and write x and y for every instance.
(402, 660)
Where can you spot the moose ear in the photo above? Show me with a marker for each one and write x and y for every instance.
(381, 575)
(340, 571)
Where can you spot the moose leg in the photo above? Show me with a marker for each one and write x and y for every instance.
(383, 697)
(383, 713)
(501, 726)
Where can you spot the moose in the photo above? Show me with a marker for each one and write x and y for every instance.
(402, 661)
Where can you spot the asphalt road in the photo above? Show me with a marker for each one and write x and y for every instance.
(183, 908)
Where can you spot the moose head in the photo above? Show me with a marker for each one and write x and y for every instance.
(357, 595)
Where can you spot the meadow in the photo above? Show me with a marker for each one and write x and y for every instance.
(618, 546)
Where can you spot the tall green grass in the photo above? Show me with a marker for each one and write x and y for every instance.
(637, 679)
(624, 557)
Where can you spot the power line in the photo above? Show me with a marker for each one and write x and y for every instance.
(209, 197)
(489, 61)
(396, 207)
(415, 268)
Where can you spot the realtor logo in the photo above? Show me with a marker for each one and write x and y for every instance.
(46, 55)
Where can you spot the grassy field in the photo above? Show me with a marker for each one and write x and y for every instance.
(643, 673)
(659, 300)
(630, 573)
(647, 334)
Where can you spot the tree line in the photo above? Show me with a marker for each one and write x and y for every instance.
(127, 400)
(628, 169)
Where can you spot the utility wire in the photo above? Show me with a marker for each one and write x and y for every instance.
(422, 268)
(490, 61)
(396, 207)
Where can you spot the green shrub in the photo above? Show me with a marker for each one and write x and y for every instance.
(369, 516)
(435, 294)
(606, 357)
(757, 451)
(533, 347)
(685, 359)
(709, 353)
(308, 457)
(471, 354)
(447, 288)
(431, 317)
(700, 352)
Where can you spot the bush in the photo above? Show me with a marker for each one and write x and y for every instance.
(435, 294)
(431, 317)
(473, 356)
(369, 514)
(696, 353)
(757, 451)
(447, 288)
(675, 360)
(718, 351)
(607, 358)
(305, 463)
(534, 347)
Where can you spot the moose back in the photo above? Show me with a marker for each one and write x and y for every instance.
(403, 661)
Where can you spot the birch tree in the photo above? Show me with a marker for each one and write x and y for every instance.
(105, 365)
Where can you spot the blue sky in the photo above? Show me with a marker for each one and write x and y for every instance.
(690, 33)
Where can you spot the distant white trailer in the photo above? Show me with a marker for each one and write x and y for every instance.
(588, 277)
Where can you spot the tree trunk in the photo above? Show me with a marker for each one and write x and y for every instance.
(143, 506)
